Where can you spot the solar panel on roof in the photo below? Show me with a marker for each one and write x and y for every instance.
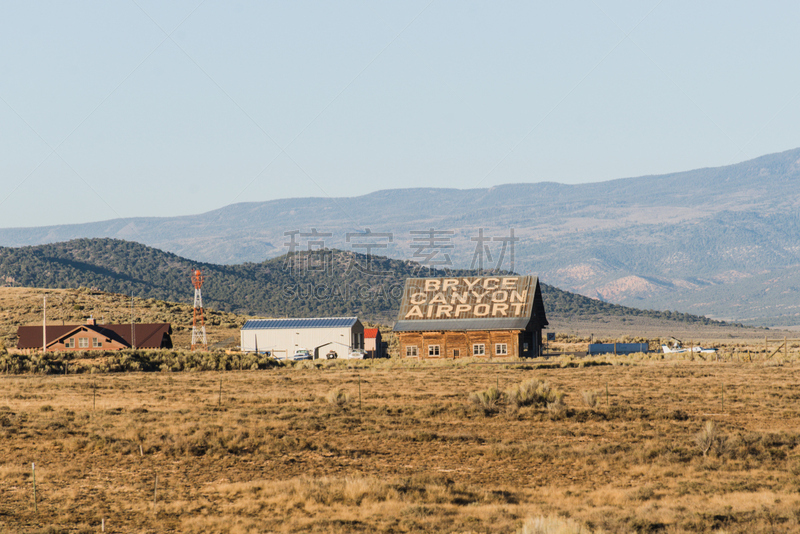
(318, 322)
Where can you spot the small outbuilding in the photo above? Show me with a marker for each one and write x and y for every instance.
(283, 337)
(374, 347)
(484, 316)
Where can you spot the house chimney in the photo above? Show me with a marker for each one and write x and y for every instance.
(91, 321)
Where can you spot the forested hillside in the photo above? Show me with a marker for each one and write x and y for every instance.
(327, 283)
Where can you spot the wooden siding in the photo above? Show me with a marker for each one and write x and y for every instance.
(451, 341)
(105, 343)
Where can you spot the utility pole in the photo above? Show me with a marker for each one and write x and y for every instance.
(44, 325)
(133, 329)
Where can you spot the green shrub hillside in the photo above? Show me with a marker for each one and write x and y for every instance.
(325, 283)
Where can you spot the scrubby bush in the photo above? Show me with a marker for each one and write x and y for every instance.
(487, 401)
(591, 398)
(154, 360)
(552, 525)
(338, 397)
(709, 438)
(557, 409)
(533, 393)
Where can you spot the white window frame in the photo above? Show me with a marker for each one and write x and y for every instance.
(96, 343)
(434, 351)
(501, 349)
(83, 342)
(478, 349)
(411, 351)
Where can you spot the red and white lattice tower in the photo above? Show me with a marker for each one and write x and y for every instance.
(199, 322)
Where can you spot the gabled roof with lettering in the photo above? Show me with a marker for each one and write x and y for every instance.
(471, 303)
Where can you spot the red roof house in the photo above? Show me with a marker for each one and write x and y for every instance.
(373, 345)
(93, 336)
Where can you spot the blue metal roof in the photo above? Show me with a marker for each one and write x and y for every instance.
(323, 322)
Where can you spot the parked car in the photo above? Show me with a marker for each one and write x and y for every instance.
(302, 354)
(356, 354)
(331, 355)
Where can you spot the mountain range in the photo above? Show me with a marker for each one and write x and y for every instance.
(722, 242)
(324, 283)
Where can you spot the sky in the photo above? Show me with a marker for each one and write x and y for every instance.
(148, 108)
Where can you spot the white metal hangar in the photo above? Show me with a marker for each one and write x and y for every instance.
(284, 337)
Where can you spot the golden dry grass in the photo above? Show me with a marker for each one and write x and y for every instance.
(272, 454)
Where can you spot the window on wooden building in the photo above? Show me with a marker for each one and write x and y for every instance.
(96, 343)
(70, 343)
(83, 342)
(433, 350)
(501, 349)
(478, 349)
(411, 351)
(456, 353)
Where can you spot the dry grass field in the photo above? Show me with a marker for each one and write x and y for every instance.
(297, 449)
(23, 306)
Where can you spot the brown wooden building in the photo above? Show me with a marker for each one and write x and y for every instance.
(483, 316)
(93, 336)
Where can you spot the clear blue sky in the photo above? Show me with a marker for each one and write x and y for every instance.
(151, 108)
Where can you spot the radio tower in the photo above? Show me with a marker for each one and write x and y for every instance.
(199, 322)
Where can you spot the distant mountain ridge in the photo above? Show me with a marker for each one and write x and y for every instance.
(719, 241)
(326, 283)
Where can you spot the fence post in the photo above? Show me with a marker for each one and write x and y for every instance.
(35, 504)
